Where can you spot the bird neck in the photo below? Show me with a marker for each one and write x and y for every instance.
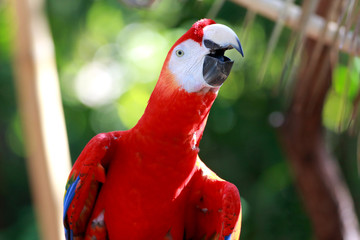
(174, 116)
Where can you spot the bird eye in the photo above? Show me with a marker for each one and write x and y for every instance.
(180, 53)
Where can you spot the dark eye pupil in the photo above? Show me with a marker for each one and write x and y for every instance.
(179, 53)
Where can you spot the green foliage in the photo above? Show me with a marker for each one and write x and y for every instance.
(132, 105)
(338, 106)
(345, 81)
(26, 222)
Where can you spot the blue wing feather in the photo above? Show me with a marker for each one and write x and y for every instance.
(228, 237)
(81, 195)
(70, 193)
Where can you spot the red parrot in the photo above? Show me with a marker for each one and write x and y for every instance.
(149, 182)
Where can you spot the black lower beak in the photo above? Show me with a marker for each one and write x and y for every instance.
(216, 68)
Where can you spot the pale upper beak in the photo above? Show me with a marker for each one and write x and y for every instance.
(221, 37)
(218, 38)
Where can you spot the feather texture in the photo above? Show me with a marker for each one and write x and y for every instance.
(148, 182)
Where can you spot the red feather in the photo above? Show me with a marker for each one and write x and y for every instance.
(195, 32)
(148, 182)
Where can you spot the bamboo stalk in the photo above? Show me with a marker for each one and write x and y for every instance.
(334, 5)
(39, 101)
(215, 9)
(273, 8)
(295, 53)
(279, 25)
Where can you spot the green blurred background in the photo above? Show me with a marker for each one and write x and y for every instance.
(109, 56)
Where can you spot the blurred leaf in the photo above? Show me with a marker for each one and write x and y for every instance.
(27, 223)
(7, 29)
(341, 75)
(106, 119)
(140, 45)
(132, 104)
(224, 119)
(167, 12)
(233, 87)
(14, 137)
(276, 178)
(138, 3)
(333, 107)
(104, 22)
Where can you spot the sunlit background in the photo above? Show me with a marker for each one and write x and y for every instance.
(109, 56)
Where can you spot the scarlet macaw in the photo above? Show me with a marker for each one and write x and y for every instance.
(149, 182)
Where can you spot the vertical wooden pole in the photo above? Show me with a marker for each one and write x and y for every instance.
(39, 100)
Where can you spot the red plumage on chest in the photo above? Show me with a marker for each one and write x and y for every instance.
(149, 182)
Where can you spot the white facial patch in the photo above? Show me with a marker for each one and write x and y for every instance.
(186, 63)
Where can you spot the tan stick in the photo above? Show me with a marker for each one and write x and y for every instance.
(42, 115)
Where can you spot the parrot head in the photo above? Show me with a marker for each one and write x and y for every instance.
(193, 71)
(197, 60)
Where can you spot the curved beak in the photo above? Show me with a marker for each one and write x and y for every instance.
(218, 38)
